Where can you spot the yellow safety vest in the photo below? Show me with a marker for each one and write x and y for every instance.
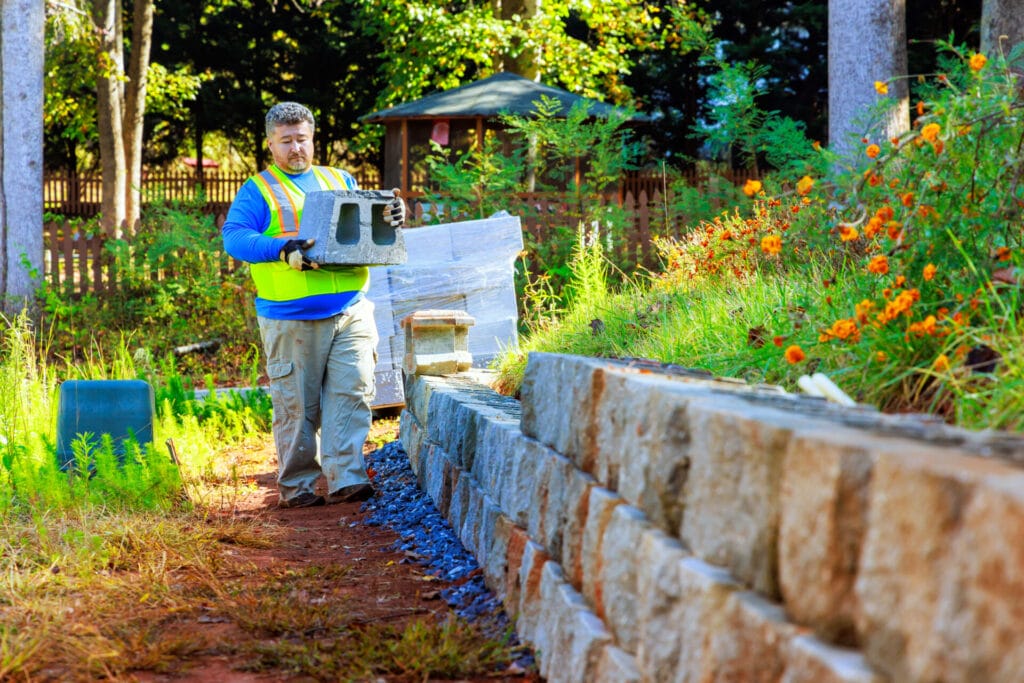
(276, 280)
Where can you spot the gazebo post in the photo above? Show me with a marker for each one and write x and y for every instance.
(480, 133)
(405, 156)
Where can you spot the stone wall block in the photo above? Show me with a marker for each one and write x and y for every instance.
(530, 608)
(942, 554)
(433, 473)
(514, 559)
(753, 646)
(574, 515)
(589, 637)
(495, 549)
(601, 505)
(618, 573)
(546, 520)
(559, 395)
(732, 491)
(574, 634)
(518, 490)
(810, 660)
(413, 437)
(688, 599)
(494, 450)
(418, 391)
(461, 499)
(823, 518)
(615, 665)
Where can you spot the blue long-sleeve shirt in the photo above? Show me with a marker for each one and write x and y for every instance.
(242, 232)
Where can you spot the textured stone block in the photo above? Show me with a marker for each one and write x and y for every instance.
(436, 342)
(617, 575)
(529, 611)
(688, 599)
(809, 660)
(732, 490)
(412, 435)
(942, 567)
(615, 665)
(823, 518)
(547, 512)
(753, 644)
(574, 635)
(350, 229)
(600, 508)
(516, 495)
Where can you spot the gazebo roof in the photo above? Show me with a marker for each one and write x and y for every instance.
(503, 92)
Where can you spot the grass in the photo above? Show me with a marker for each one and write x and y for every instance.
(100, 580)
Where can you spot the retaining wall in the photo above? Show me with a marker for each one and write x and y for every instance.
(651, 527)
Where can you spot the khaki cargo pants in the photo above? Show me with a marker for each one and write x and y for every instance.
(322, 386)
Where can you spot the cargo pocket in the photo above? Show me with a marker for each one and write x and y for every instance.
(283, 390)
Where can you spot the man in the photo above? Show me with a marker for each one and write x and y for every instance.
(319, 337)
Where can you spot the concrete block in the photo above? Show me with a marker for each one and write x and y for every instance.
(389, 388)
(436, 342)
(350, 229)
(516, 495)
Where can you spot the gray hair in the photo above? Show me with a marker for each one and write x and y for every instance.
(288, 114)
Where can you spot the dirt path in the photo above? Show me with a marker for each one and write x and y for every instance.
(324, 561)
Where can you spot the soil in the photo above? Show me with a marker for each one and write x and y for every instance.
(376, 583)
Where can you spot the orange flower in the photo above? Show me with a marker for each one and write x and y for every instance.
(941, 363)
(1003, 254)
(771, 244)
(751, 187)
(872, 151)
(924, 327)
(845, 329)
(894, 229)
(874, 180)
(794, 354)
(881, 357)
(804, 185)
(816, 146)
(931, 132)
(900, 281)
(725, 236)
(873, 227)
(862, 309)
(882, 88)
(885, 213)
(907, 199)
(848, 233)
(778, 339)
(977, 61)
(879, 265)
(929, 272)
(920, 108)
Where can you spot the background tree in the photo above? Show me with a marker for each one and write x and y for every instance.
(867, 42)
(21, 152)
(1001, 18)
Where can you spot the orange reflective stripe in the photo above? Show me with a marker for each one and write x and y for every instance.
(283, 183)
(268, 193)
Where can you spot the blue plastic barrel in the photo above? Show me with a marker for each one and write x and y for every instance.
(119, 407)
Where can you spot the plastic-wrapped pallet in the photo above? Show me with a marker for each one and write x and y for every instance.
(466, 266)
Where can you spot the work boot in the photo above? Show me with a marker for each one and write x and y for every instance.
(351, 494)
(307, 499)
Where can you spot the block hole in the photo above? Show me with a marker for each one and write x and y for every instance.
(381, 231)
(348, 224)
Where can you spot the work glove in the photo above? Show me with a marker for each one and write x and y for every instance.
(395, 211)
(291, 253)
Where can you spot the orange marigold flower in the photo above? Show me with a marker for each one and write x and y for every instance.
(931, 132)
(874, 180)
(816, 146)
(794, 354)
(873, 227)
(907, 199)
(862, 309)
(1003, 254)
(929, 272)
(845, 329)
(881, 356)
(900, 281)
(885, 213)
(977, 62)
(924, 327)
(848, 233)
(771, 244)
(879, 265)
(920, 108)
(778, 339)
(804, 185)
(941, 363)
(938, 146)
(872, 151)
(725, 236)
(895, 141)
(894, 229)
(882, 88)
(751, 187)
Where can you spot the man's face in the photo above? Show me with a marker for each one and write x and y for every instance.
(292, 147)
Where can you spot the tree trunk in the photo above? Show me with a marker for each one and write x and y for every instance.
(867, 42)
(1002, 25)
(109, 116)
(21, 153)
(135, 104)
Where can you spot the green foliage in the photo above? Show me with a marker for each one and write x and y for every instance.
(900, 276)
(475, 182)
(174, 287)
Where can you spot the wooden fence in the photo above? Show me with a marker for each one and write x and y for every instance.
(79, 262)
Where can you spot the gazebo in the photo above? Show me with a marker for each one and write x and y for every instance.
(459, 118)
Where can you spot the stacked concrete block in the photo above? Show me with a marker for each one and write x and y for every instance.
(466, 266)
(653, 528)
